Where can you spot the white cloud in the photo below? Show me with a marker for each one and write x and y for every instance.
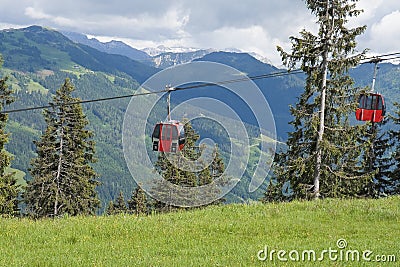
(250, 39)
(370, 9)
(385, 34)
(36, 14)
(254, 25)
(144, 25)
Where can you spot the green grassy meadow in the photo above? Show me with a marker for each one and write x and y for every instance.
(230, 235)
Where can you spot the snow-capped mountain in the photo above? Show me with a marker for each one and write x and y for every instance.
(165, 60)
(164, 57)
(161, 49)
(160, 56)
(260, 58)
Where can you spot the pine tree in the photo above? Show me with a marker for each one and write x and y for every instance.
(394, 176)
(168, 168)
(9, 189)
(323, 155)
(64, 181)
(117, 206)
(213, 172)
(377, 160)
(273, 192)
(110, 209)
(138, 202)
(217, 166)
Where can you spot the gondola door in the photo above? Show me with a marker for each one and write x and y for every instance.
(371, 106)
(165, 137)
(168, 136)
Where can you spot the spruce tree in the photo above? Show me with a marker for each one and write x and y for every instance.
(138, 202)
(64, 181)
(394, 176)
(175, 171)
(9, 189)
(377, 160)
(213, 172)
(119, 204)
(110, 210)
(217, 166)
(323, 153)
(275, 192)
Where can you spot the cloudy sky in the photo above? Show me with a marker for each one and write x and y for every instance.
(252, 25)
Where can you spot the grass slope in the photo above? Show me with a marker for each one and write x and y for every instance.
(230, 235)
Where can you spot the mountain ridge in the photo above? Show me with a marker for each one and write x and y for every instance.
(35, 48)
(160, 56)
(111, 47)
(37, 60)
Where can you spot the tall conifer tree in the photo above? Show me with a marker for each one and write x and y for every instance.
(167, 167)
(138, 202)
(64, 181)
(9, 189)
(110, 209)
(117, 206)
(394, 176)
(323, 155)
(377, 160)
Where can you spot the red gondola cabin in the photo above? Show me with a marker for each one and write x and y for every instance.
(168, 137)
(371, 108)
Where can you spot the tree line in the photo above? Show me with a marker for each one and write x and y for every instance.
(63, 179)
(326, 154)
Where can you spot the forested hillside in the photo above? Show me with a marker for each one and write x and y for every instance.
(37, 60)
(105, 120)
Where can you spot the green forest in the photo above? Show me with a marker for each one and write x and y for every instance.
(321, 150)
(69, 196)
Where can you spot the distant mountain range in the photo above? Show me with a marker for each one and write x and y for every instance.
(159, 57)
(37, 60)
(112, 47)
(36, 48)
(161, 49)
